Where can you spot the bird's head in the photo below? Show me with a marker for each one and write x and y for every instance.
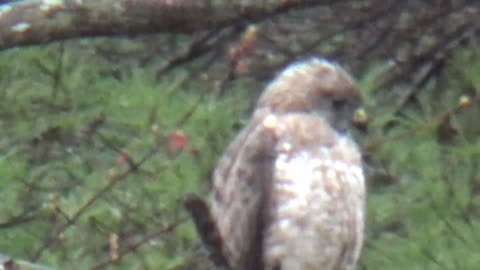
(314, 86)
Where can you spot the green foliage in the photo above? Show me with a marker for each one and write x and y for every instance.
(428, 216)
(67, 135)
(71, 122)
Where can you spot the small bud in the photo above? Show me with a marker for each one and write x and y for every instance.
(122, 158)
(241, 67)
(155, 129)
(113, 247)
(51, 197)
(194, 152)
(245, 44)
(360, 118)
(464, 101)
(177, 140)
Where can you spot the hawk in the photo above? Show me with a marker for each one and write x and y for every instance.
(289, 191)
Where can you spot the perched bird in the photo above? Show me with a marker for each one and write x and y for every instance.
(289, 191)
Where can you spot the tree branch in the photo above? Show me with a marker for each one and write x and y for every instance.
(41, 21)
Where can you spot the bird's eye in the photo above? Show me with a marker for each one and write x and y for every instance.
(338, 104)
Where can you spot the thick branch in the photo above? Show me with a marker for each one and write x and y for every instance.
(41, 21)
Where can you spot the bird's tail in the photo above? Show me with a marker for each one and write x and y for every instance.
(207, 230)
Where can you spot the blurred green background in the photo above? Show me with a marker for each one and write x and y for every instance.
(99, 143)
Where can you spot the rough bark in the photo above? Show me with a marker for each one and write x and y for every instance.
(41, 21)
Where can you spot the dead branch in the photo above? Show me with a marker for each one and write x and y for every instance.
(36, 22)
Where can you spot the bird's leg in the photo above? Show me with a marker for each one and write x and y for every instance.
(207, 230)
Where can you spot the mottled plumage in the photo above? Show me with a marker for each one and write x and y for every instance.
(289, 192)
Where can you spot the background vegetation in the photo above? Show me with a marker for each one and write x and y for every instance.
(101, 139)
